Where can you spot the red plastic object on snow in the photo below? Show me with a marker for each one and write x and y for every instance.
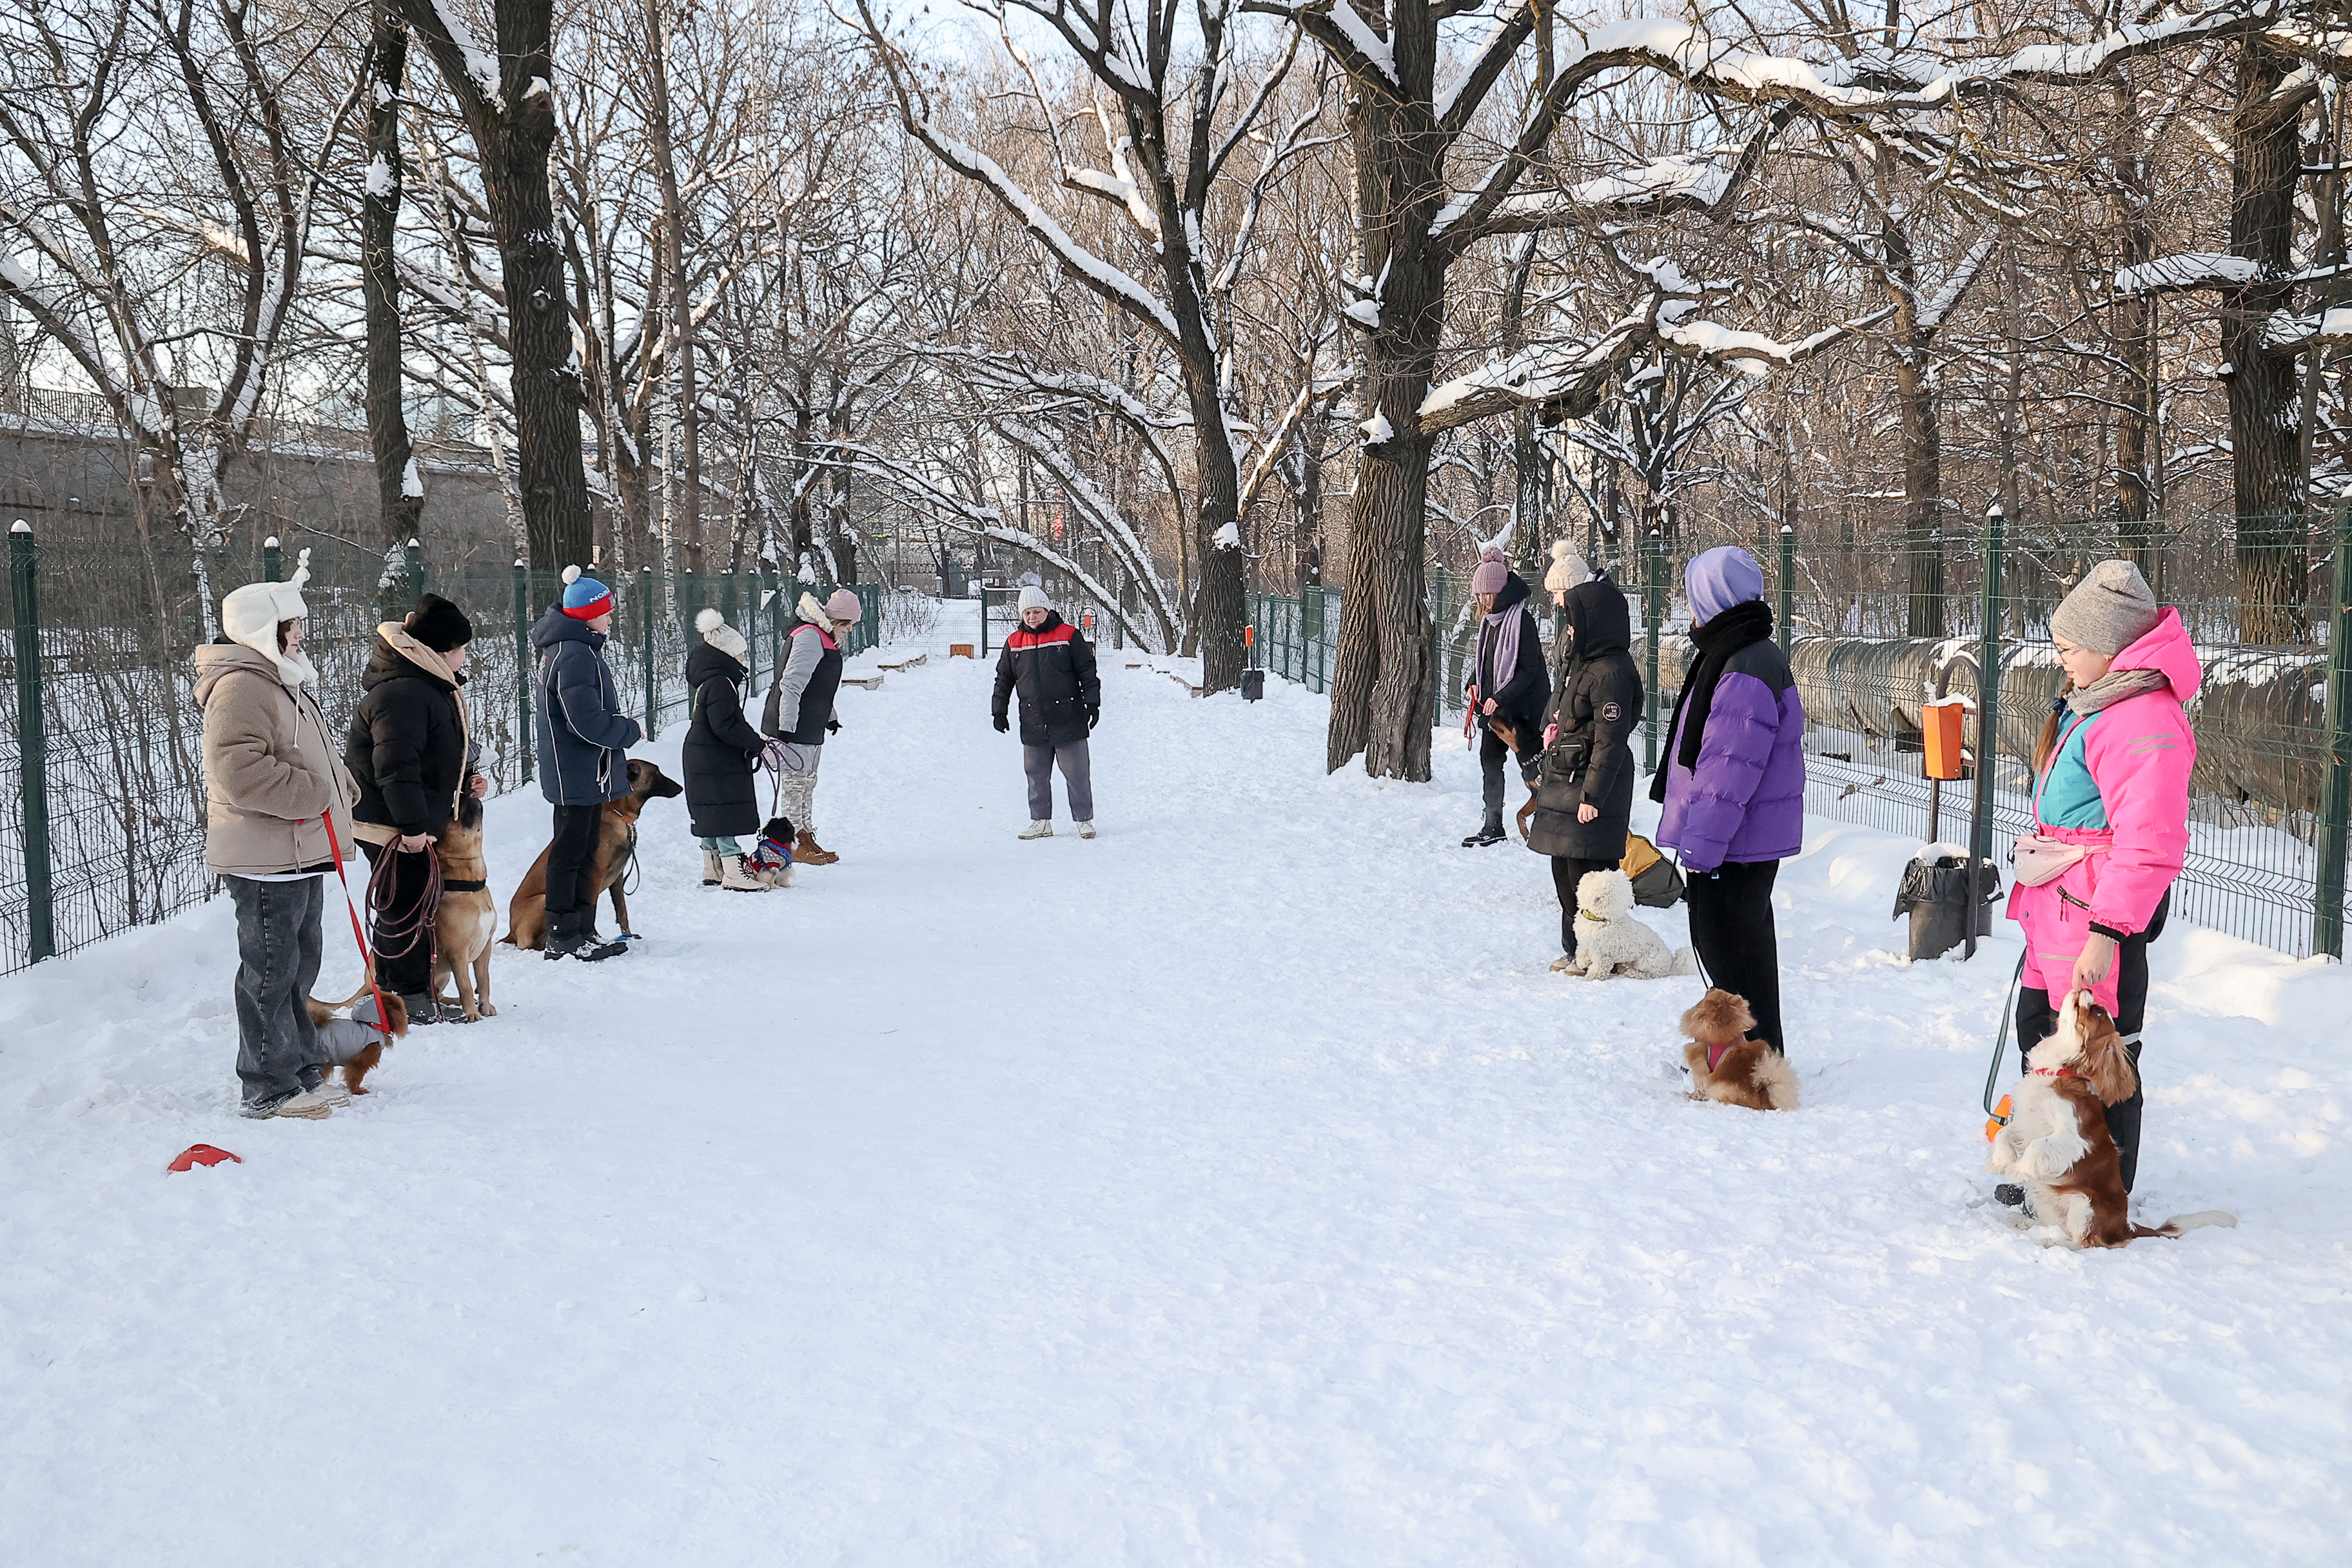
(203, 1154)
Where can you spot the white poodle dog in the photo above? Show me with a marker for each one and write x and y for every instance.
(1610, 942)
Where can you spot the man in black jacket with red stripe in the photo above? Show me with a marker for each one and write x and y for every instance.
(1061, 697)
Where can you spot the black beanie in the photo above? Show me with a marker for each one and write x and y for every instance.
(439, 625)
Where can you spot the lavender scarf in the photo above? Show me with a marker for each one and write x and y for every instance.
(1498, 649)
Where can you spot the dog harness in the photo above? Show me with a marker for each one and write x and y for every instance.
(1715, 1053)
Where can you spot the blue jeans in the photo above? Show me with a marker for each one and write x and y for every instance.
(278, 1050)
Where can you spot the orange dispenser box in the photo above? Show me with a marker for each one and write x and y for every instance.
(1944, 721)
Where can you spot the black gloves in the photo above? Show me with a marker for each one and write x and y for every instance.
(832, 726)
(1002, 723)
(1093, 716)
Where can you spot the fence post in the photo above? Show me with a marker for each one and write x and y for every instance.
(645, 621)
(273, 561)
(1788, 587)
(2335, 790)
(32, 745)
(1988, 720)
(416, 554)
(527, 742)
(1652, 579)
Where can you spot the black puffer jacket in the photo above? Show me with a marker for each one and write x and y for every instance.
(1518, 697)
(722, 788)
(1054, 669)
(406, 744)
(1599, 703)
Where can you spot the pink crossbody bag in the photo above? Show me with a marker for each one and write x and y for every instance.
(2040, 859)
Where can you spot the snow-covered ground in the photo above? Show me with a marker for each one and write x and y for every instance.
(1236, 1188)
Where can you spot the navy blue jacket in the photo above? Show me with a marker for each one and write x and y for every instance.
(584, 736)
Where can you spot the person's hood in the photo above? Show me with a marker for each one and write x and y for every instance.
(812, 610)
(703, 661)
(216, 660)
(1600, 618)
(2167, 649)
(1718, 579)
(1514, 591)
(555, 627)
(397, 655)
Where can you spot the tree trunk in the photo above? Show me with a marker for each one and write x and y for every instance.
(1923, 453)
(687, 519)
(2266, 457)
(513, 134)
(399, 492)
(2136, 318)
(1383, 701)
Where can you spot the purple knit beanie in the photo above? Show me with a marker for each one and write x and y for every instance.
(1492, 572)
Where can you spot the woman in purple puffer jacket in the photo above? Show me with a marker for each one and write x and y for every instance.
(1734, 780)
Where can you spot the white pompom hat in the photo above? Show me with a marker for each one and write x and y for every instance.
(714, 631)
(1568, 569)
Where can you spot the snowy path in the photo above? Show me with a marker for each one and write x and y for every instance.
(1233, 1189)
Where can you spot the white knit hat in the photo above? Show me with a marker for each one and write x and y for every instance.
(1568, 569)
(1033, 598)
(250, 615)
(714, 631)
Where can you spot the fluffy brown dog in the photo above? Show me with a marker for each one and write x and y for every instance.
(1726, 1065)
(1509, 735)
(351, 1044)
(616, 837)
(2056, 1140)
(466, 918)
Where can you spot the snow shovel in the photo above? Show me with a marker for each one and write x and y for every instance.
(1253, 677)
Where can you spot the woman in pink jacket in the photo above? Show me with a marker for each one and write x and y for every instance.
(2110, 781)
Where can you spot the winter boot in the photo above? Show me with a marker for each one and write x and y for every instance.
(807, 851)
(328, 1089)
(1492, 832)
(1038, 830)
(308, 1105)
(1086, 830)
(737, 877)
(585, 946)
(714, 869)
(422, 1008)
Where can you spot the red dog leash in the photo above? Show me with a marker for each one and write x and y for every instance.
(367, 961)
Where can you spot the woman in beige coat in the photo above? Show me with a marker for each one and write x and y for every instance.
(271, 775)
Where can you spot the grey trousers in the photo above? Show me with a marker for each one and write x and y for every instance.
(796, 793)
(278, 961)
(1077, 780)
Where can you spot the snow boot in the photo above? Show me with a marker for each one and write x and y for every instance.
(1086, 830)
(807, 851)
(1492, 832)
(328, 1089)
(714, 869)
(587, 947)
(737, 878)
(1563, 964)
(308, 1104)
(1037, 830)
(422, 1008)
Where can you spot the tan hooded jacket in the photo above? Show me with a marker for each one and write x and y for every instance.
(270, 768)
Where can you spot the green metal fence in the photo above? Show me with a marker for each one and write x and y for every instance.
(2273, 787)
(101, 786)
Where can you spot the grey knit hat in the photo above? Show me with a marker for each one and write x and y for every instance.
(2110, 609)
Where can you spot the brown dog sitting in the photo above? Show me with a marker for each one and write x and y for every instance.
(2056, 1140)
(466, 919)
(356, 1044)
(616, 841)
(1726, 1065)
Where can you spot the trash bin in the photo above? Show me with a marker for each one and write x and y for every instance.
(1934, 894)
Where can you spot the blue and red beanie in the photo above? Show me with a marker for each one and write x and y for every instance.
(584, 598)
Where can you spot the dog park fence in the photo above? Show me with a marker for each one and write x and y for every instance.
(101, 779)
(2273, 787)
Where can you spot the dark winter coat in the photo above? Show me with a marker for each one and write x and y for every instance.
(1518, 697)
(722, 790)
(1053, 668)
(1746, 799)
(584, 736)
(808, 675)
(406, 745)
(1598, 704)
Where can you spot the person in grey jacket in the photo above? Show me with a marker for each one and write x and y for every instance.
(799, 711)
(583, 742)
